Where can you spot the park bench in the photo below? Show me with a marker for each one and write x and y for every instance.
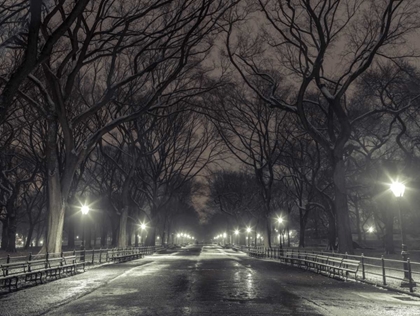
(307, 260)
(36, 270)
(70, 264)
(123, 255)
(54, 267)
(333, 266)
(12, 272)
(350, 266)
(288, 256)
(255, 252)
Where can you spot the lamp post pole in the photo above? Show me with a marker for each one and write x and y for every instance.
(142, 227)
(398, 189)
(85, 210)
(280, 221)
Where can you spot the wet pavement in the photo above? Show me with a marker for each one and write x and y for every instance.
(207, 281)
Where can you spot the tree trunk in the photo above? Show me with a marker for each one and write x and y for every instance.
(359, 232)
(4, 234)
(104, 231)
(130, 234)
(122, 235)
(151, 236)
(267, 235)
(11, 232)
(56, 205)
(122, 232)
(302, 224)
(71, 224)
(316, 224)
(114, 237)
(345, 242)
(303, 220)
(332, 233)
(30, 234)
(56, 211)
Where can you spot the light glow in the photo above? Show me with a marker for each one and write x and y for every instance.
(85, 209)
(398, 189)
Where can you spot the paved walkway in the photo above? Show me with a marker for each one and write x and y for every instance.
(211, 281)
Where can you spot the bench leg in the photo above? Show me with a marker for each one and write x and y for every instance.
(9, 283)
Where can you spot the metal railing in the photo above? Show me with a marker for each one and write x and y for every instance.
(379, 271)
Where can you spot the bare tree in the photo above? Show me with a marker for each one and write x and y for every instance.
(302, 38)
(108, 63)
(179, 146)
(253, 133)
(234, 193)
(28, 26)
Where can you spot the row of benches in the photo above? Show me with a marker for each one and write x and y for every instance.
(38, 270)
(124, 255)
(320, 263)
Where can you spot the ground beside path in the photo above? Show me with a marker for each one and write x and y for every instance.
(207, 281)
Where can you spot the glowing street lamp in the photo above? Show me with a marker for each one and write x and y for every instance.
(370, 229)
(398, 189)
(85, 209)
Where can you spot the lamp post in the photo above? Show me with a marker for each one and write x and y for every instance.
(142, 227)
(398, 189)
(237, 236)
(248, 230)
(85, 210)
(280, 221)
